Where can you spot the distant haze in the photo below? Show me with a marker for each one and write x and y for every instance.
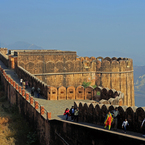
(137, 60)
(139, 71)
(108, 28)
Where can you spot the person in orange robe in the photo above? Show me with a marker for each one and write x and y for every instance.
(108, 120)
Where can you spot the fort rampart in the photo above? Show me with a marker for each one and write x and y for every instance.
(3, 56)
(63, 68)
(52, 132)
(117, 73)
(95, 113)
(102, 95)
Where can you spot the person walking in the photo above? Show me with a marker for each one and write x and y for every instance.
(23, 84)
(108, 120)
(76, 114)
(26, 84)
(21, 80)
(72, 110)
(124, 125)
(115, 118)
(38, 92)
(32, 91)
(66, 113)
(143, 126)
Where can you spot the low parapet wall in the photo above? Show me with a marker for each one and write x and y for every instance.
(4, 59)
(52, 132)
(34, 113)
(70, 133)
(32, 80)
(16, 90)
(96, 113)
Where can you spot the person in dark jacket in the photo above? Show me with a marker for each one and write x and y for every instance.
(32, 91)
(72, 111)
(115, 118)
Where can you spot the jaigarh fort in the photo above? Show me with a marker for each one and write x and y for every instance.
(60, 75)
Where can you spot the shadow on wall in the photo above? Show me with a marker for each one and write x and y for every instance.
(96, 113)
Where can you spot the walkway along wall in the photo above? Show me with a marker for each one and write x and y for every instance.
(60, 132)
(4, 59)
(36, 114)
(70, 92)
(113, 73)
(95, 113)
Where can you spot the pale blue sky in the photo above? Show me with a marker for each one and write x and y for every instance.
(80, 25)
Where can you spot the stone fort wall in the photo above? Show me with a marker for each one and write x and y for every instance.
(59, 131)
(95, 113)
(58, 68)
(102, 95)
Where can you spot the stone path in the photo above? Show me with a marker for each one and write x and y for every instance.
(57, 107)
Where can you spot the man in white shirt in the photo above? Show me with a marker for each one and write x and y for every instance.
(124, 125)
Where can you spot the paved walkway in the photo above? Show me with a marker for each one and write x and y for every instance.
(57, 107)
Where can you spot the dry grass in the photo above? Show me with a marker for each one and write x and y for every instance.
(6, 134)
(14, 129)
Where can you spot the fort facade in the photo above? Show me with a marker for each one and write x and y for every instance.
(59, 131)
(55, 68)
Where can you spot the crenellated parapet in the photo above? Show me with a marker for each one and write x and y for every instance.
(116, 73)
(16, 94)
(58, 66)
(4, 51)
(96, 113)
(63, 68)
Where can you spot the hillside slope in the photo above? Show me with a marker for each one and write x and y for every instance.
(139, 85)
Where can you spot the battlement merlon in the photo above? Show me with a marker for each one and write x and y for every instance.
(67, 69)
(3, 50)
(41, 52)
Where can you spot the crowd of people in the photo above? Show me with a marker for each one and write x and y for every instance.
(110, 119)
(72, 112)
(25, 84)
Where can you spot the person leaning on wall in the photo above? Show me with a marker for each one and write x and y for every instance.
(115, 118)
(72, 110)
(76, 114)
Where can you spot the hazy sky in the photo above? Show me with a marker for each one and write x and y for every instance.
(94, 25)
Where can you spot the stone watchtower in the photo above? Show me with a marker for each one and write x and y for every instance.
(116, 73)
(63, 68)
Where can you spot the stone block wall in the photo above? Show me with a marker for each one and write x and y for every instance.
(35, 114)
(96, 113)
(113, 73)
(116, 73)
(52, 132)
(69, 133)
(70, 92)
(4, 51)
(62, 68)
(3, 57)
(32, 80)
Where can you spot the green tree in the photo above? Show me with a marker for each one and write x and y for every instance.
(87, 84)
